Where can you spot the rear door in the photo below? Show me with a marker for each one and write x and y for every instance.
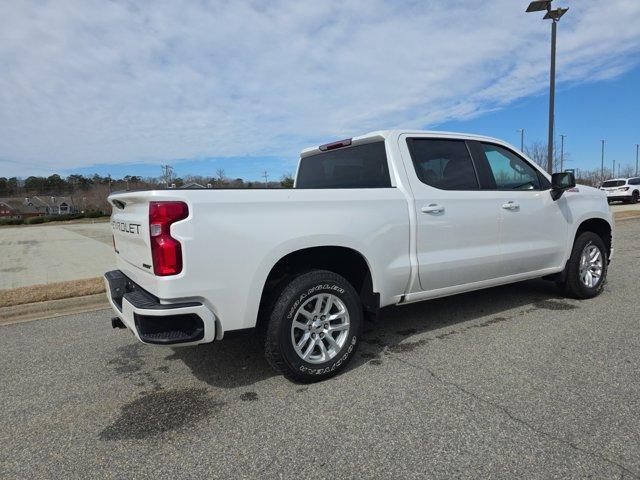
(130, 226)
(457, 222)
(533, 227)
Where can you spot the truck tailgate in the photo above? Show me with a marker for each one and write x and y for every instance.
(130, 225)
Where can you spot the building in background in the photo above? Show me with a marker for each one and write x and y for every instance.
(35, 206)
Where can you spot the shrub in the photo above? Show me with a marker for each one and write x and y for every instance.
(95, 214)
(35, 220)
(11, 221)
(53, 218)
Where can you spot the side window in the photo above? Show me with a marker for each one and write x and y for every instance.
(510, 172)
(634, 181)
(443, 164)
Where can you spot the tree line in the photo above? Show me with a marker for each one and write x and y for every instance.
(91, 192)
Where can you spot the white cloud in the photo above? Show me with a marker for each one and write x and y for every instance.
(86, 82)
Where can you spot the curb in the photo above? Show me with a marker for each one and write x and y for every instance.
(633, 217)
(52, 308)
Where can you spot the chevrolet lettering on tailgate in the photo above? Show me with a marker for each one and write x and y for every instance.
(133, 228)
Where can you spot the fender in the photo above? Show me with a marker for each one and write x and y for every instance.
(292, 246)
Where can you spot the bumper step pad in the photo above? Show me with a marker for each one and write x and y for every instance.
(163, 329)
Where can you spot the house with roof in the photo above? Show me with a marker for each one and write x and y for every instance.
(18, 208)
(54, 205)
(35, 206)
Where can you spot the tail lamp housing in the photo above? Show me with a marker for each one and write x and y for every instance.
(166, 251)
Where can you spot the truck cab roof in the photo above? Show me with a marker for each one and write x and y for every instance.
(384, 134)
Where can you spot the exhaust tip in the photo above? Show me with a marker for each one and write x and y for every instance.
(117, 323)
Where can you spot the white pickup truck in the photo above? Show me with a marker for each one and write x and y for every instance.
(387, 218)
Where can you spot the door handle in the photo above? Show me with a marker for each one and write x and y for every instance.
(511, 205)
(432, 208)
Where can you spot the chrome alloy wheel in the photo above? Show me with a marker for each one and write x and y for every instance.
(591, 265)
(320, 328)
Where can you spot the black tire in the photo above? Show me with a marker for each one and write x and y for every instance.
(635, 196)
(279, 348)
(572, 285)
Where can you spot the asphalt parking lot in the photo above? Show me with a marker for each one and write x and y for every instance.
(503, 383)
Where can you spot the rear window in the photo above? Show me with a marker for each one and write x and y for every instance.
(361, 166)
(613, 183)
(442, 163)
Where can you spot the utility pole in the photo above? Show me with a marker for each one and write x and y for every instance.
(552, 95)
(637, 146)
(521, 130)
(266, 179)
(613, 172)
(602, 162)
(554, 16)
(562, 152)
(109, 175)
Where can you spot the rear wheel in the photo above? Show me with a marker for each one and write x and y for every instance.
(314, 327)
(586, 270)
(635, 196)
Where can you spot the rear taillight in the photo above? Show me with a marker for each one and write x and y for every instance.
(624, 189)
(166, 251)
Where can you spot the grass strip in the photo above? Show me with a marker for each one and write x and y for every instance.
(51, 291)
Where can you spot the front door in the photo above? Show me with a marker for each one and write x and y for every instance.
(533, 227)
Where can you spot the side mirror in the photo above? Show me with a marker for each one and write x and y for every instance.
(560, 182)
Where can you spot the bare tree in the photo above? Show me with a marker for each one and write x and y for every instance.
(168, 175)
(287, 180)
(627, 171)
(537, 151)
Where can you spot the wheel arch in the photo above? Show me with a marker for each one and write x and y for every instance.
(600, 227)
(345, 261)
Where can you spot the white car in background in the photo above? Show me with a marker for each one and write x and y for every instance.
(622, 189)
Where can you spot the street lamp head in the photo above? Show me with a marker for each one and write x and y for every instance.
(539, 5)
(555, 14)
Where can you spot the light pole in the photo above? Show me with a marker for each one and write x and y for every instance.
(562, 152)
(521, 130)
(602, 162)
(554, 16)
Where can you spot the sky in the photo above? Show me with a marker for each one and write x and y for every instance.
(120, 87)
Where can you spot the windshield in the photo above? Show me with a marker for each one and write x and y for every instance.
(613, 183)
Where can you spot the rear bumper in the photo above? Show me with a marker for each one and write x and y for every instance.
(618, 198)
(158, 322)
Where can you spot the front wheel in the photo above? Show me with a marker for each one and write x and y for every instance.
(586, 270)
(314, 327)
